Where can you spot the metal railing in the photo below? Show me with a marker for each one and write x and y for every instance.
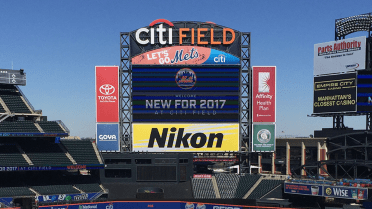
(63, 125)
(25, 98)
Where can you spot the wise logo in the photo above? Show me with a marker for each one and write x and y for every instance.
(146, 36)
(186, 137)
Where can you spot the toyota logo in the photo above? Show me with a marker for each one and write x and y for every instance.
(107, 89)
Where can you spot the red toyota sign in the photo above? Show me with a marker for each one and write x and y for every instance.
(107, 94)
(263, 94)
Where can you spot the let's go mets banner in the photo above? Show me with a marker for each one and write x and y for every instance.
(107, 94)
(218, 137)
(185, 55)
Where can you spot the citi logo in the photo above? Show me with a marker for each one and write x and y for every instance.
(220, 59)
(352, 66)
(107, 137)
(107, 89)
(197, 140)
(196, 35)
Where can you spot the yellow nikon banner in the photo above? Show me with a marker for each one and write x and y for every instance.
(218, 137)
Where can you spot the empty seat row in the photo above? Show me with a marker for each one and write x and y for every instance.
(51, 127)
(246, 182)
(15, 192)
(81, 150)
(227, 184)
(203, 189)
(264, 187)
(18, 127)
(14, 102)
(89, 188)
(55, 189)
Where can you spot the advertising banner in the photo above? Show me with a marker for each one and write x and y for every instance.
(340, 56)
(67, 197)
(196, 205)
(200, 137)
(185, 55)
(263, 137)
(346, 192)
(186, 94)
(50, 168)
(145, 205)
(335, 93)
(6, 201)
(364, 89)
(264, 94)
(108, 137)
(107, 94)
(202, 176)
(303, 189)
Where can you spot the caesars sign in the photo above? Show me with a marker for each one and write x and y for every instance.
(185, 87)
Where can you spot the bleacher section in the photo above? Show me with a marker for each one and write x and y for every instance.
(245, 184)
(44, 152)
(203, 189)
(51, 127)
(15, 192)
(10, 156)
(18, 127)
(235, 186)
(89, 188)
(2, 110)
(227, 184)
(55, 189)
(264, 187)
(81, 150)
(12, 99)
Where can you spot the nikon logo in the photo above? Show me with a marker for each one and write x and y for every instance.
(197, 140)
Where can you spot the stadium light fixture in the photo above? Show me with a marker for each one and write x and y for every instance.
(348, 25)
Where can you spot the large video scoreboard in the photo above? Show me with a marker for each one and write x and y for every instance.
(185, 87)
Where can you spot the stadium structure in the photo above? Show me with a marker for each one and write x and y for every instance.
(185, 122)
(38, 162)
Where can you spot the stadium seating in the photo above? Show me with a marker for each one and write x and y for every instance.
(44, 152)
(89, 188)
(235, 186)
(51, 127)
(15, 192)
(203, 189)
(245, 184)
(12, 99)
(55, 189)
(81, 150)
(264, 187)
(10, 156)
(2, 110)
(18, 127)
(227, 184)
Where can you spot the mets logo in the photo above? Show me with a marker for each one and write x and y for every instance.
(186, 78)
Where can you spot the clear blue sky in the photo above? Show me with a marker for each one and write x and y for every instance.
(58, 43)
